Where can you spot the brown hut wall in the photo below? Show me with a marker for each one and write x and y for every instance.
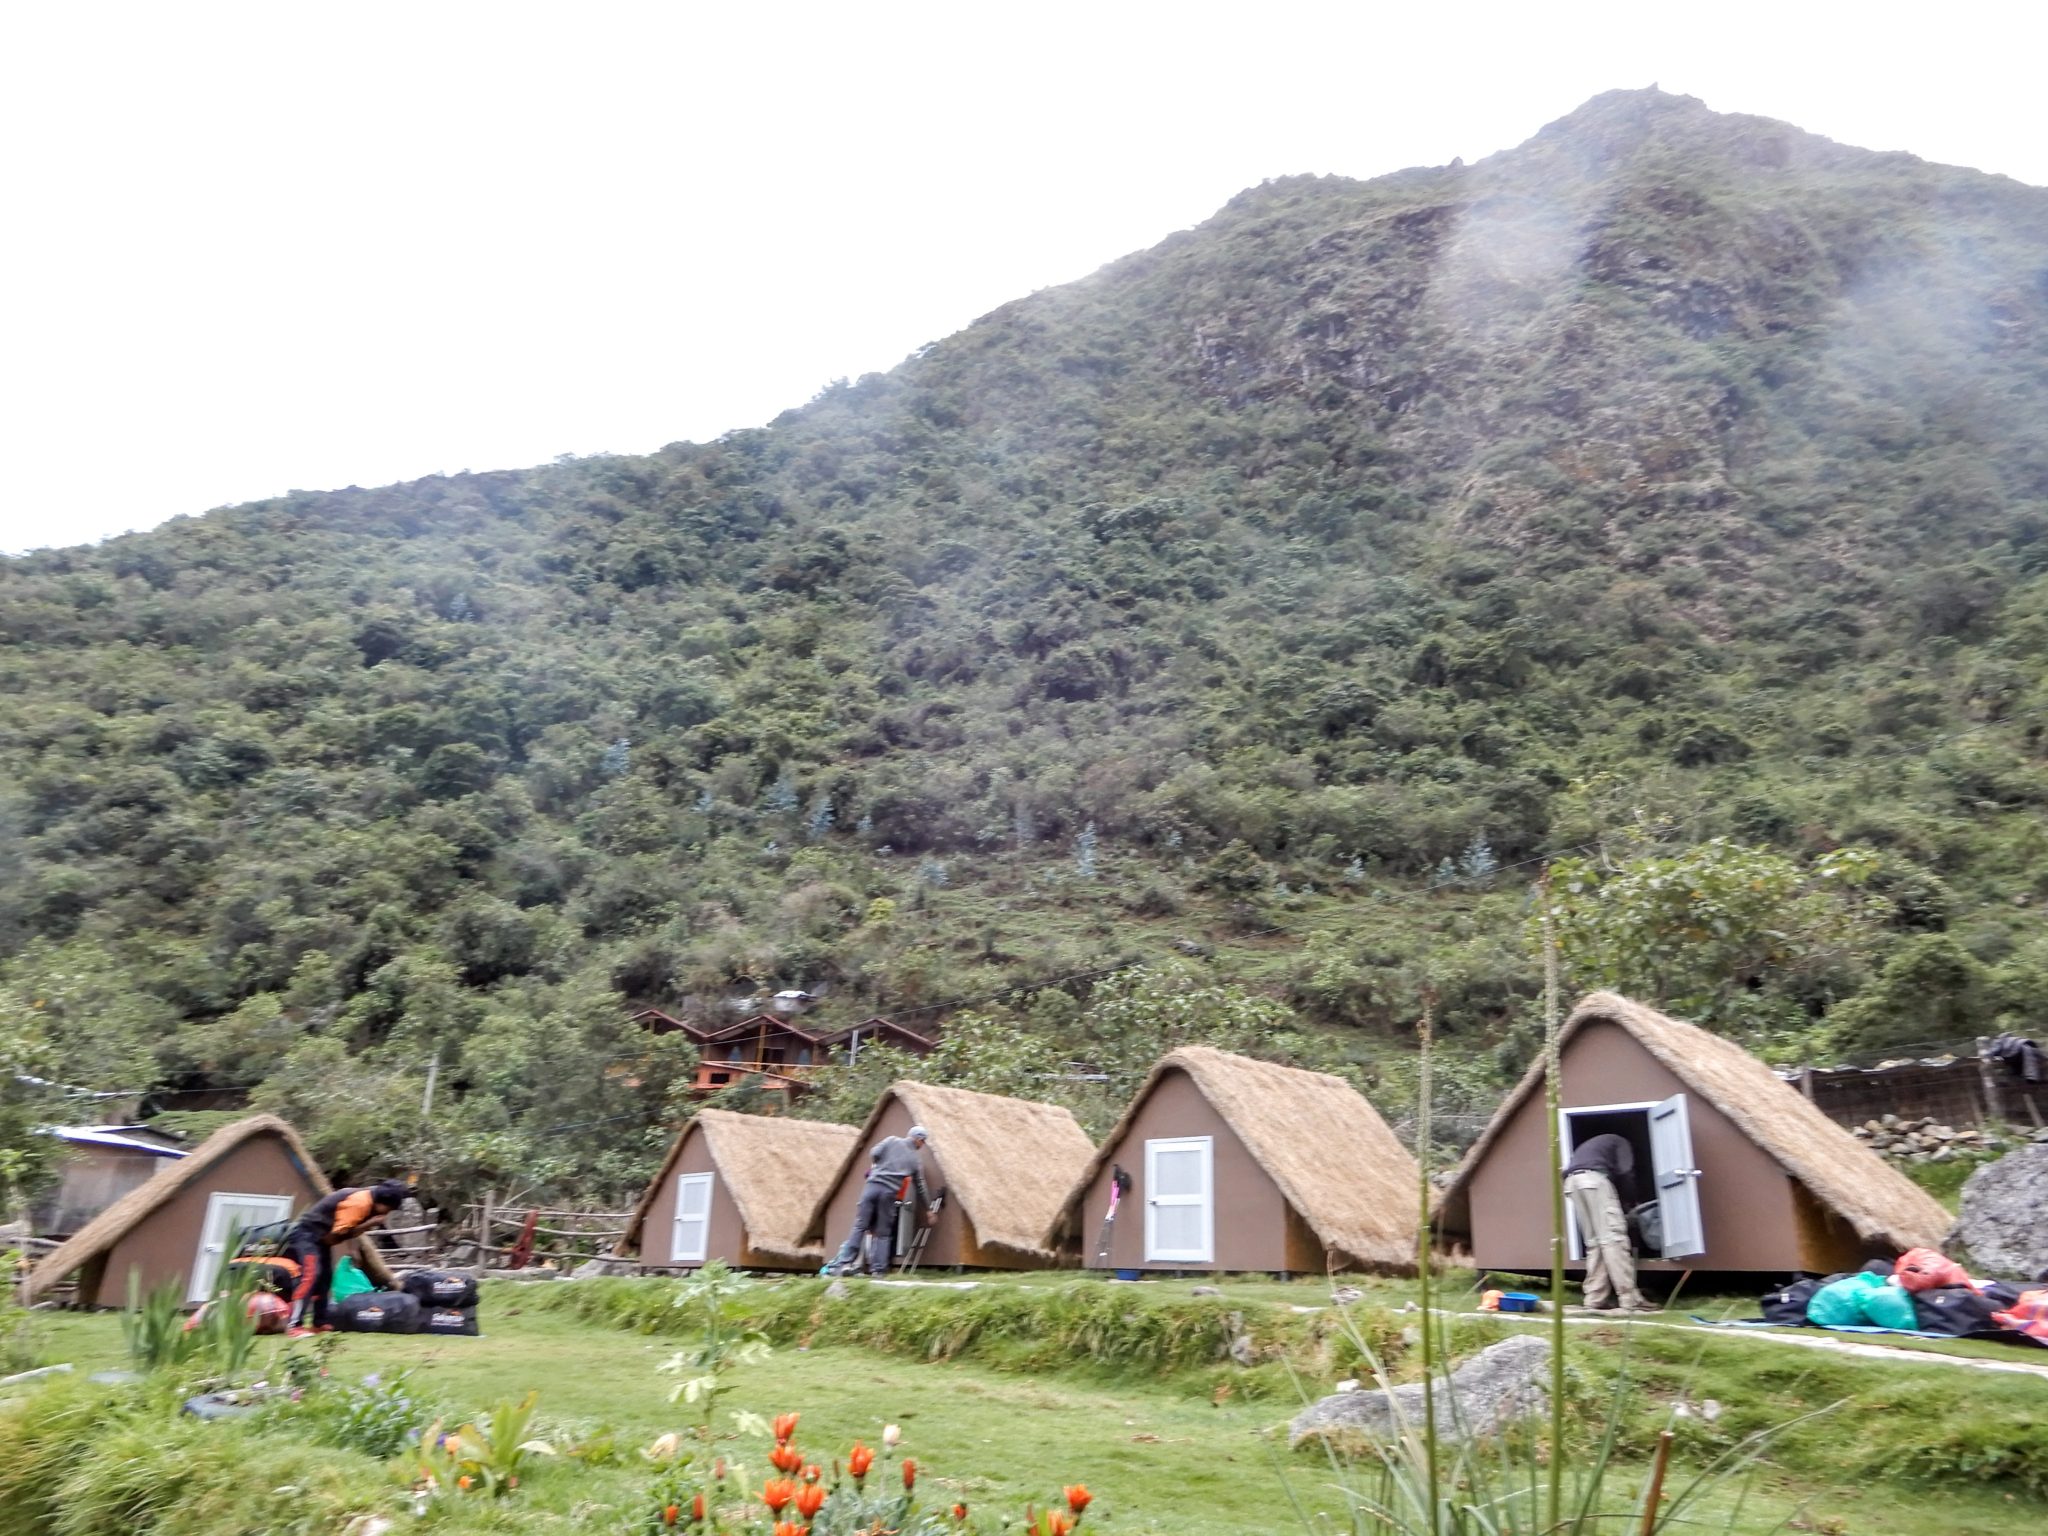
(1746, 1199)
(1252, 1229)
(952, 1241)
(161, 1246)
(727, 1238)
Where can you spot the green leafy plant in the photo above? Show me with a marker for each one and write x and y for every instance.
(378, 1416)
(710, 1302)
(154, 1326)
(486, 1457)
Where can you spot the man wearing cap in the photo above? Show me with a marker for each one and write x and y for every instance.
(310, 1244)
(894, 1172)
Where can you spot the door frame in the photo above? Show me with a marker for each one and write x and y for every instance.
(1206, 1203)
(1575, 1246)
(215, 1235)
(709, 1181)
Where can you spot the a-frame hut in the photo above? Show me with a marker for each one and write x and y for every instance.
(179, 1225)
(1242, 1165)
(1006, 1165)
(1747, 1175)
(730, 1185)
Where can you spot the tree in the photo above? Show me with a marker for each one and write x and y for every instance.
(1731, 936)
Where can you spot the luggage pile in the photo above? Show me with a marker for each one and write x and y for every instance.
(1924, 1292)
(428, 1301)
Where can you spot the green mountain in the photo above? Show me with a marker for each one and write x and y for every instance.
(1277, 596)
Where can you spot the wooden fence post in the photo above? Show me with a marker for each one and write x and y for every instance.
(1987, 1074)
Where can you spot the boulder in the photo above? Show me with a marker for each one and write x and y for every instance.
(1502, 1383)
(2004, 1217)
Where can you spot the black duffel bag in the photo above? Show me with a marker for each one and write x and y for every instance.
(1787, 1304)
(378, 1312)
(440, 1288)
(451, 1321)
(1955, 1310)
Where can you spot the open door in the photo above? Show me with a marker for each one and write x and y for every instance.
(1676, 1179)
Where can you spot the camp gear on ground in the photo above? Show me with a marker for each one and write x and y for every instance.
(1646, 1227)
(379, 1312)
(1119, 1186)
(522, 1245)
(1956, 1311)
(1610, 1156)
(1862, 1299)
(217, 1405)
(1489, 1301)
(458, 1321)
(1787, 1305)
(270, 1272)
(2027, 1316)
(1520, 1301)
(266, 1241)
(1922, 1269)
(440, 1288)
(1603, 1229)
(349, 1280)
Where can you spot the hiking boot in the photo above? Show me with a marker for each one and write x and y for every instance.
(1638, 1305)
(298, 1333)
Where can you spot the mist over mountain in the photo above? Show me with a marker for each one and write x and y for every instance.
(1258, 604)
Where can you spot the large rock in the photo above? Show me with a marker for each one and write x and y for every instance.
(1502, 1383)
(2004, 1220)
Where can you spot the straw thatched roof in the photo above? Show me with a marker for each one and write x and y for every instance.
(1320, 1140)
(1882, 1204)
(775, 1169)
(98, 1236)
(1008, 1162)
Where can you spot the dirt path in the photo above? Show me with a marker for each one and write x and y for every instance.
(1808, 1341)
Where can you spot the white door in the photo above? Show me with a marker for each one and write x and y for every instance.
(227, 1215)
(1180, 1207)
(693, 1218)
(1677, 1179)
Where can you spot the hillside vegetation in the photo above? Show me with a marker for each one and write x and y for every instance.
(1668, 493)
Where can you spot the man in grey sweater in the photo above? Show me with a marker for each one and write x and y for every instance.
(895, 1171)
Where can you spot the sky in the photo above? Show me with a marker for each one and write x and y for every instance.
(246, 249)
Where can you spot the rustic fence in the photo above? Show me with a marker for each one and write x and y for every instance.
(562, 1238)
(1957, 1090)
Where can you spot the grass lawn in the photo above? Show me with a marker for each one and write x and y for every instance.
(1164, 1454)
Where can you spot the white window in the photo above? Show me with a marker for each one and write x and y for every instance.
(693, 1218)
(1180, 1210)
(227, 1216)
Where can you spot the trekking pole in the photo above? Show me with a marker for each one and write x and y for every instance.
(912, 1258)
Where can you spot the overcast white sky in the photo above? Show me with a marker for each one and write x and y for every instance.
(251, 248)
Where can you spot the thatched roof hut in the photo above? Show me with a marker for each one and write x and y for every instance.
(1007, 1166)
(1780, 1186)
(160, 1228)
(757, 1178)
(1297, 1171)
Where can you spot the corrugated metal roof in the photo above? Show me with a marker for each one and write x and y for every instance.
(109, 1136)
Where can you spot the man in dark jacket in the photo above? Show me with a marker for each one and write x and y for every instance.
(1600, 1185)
(895, 1172)
(311, 1242)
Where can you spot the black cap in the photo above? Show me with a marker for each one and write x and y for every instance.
(391, 1192)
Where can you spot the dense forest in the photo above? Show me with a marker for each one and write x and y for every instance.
(1665, 499)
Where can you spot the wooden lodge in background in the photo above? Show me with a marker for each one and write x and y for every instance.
(773, 1052)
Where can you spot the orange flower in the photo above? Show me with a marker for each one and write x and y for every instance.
(959, 1511)
(909, 1472)
(790, 1528)
(777, 1492)
(697, 1507)
(809, 1500)
(672, 1514)
(786, 1458)
(785, 1426)
(858, 1460)
(462, 1482)
(813, 1472)
(718, 1469)
(1078, 1497)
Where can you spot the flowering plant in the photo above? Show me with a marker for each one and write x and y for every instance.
(796, 1496)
